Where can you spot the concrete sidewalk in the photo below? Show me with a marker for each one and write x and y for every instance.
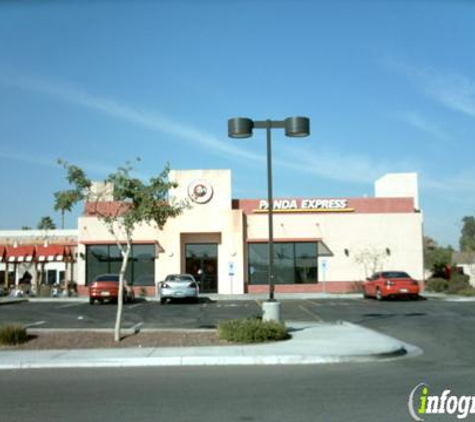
(311, 343)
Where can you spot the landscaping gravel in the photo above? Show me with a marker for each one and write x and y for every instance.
(100, 340)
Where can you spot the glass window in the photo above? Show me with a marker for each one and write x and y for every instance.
(115, 260)
(50, 277)
(306, 263)
(293, 263)
(107, 259)
(144, 265)
(258, 263)
(97, 261)
(202, 262)
(284, 263)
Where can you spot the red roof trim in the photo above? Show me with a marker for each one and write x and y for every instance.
(20, 253)
(50, 252)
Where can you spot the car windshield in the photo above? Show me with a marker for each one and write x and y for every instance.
(395, 274)
(179, 277)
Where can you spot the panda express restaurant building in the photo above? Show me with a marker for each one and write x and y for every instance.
(321, 244)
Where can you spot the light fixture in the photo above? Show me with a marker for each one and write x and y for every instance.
(242, 127)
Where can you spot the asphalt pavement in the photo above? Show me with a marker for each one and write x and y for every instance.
(314, 341)
(374, 390)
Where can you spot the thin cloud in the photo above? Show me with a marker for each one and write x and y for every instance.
(51, 162)
(357, 169)
(453, 90)
(461, 182)
(24, 158)
(334, 166)
(153, 121)
(327, 164)
(416, 120)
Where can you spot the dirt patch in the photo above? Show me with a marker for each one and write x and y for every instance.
(95, 340)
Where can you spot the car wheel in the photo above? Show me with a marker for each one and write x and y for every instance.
(379, 295)
(91, 301)
(163, 300)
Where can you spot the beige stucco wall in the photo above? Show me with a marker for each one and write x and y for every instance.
(360, 234)
(366, 236)
(215, 219)
(212, 222)
(398, 185)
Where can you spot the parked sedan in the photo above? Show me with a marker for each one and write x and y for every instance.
(178, 286)
(105, 287)
(386, 284)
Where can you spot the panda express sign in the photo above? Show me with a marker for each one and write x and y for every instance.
(306, 205)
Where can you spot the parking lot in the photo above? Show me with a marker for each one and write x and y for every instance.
(207, 313)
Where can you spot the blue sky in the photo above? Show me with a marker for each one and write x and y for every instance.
(389, 86)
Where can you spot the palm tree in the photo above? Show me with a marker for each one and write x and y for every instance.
(64, 201)
(46, 223)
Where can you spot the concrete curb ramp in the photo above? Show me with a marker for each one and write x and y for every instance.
(311, 343)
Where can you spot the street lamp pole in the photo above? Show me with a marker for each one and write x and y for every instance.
(242, 127)
(270, 201)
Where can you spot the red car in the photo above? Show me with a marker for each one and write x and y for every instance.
(386, 284)
(105, 287)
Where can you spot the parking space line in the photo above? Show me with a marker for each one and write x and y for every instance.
(134, 306)
(34, 324)
(69, 305)
(316, 316)
(313, 302)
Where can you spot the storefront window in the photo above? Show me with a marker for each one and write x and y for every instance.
(97, 261)
(284, 263)
(306, 263)
(202, 263)
(144, 265)
(107, 259)
(294, 263)
(258, 263)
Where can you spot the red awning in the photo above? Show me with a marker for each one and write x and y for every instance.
(21, 253)
(50, 253)
(2, 252)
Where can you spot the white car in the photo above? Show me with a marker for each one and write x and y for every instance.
(178, 286)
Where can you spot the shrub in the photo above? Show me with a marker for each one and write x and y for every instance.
(252, 330)
(468, 291)
(458, 282)
(11, 335)
(437, 285)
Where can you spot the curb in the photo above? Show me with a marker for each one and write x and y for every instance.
(9, 301)
(349, 343)
(169, 361)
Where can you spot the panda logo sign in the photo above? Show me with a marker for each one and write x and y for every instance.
(200, 191)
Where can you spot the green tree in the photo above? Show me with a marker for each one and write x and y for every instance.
(46, 223)
(436, 257)
(136, 202)
(467, 237)
(65, 201)
(25, 227)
